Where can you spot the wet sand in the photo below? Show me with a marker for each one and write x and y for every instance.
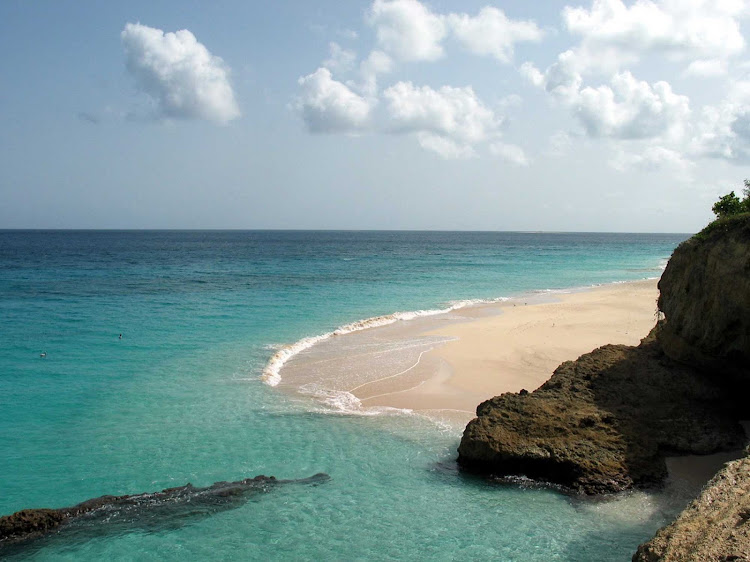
(518, 345)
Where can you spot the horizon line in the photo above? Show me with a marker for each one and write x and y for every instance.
(73, 229)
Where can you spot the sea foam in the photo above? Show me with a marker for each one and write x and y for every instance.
(272, 371)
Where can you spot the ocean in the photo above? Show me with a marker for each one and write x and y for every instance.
(207, 320)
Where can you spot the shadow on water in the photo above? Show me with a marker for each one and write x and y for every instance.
(155, 512)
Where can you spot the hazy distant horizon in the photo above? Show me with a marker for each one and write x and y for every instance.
(328, 230)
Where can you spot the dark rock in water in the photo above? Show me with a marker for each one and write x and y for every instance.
(29, 523)
(716, 526)
(705, 297)
(602, 423)
(166, 509)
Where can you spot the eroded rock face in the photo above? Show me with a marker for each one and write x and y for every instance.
(602, 423)
(705, 298)
(716, 526)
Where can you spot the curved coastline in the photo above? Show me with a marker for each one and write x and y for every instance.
(381, 397)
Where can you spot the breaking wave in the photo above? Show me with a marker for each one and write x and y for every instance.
(272, 371)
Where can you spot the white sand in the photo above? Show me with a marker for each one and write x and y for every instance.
(519, 348)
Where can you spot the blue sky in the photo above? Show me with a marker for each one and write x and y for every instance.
(600, 115)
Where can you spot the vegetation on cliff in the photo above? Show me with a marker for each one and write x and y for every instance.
(730, 205)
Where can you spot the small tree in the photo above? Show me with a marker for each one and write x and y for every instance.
(728, 205)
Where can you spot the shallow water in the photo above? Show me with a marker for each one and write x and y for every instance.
(180, 398)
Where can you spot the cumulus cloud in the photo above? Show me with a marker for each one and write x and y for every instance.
(492, 33)
(562, 79)
(375, 64)
(451, 114)
(407, 29)
(450, 121)
(632, 109)
(625, 108)
(723, 131)
(179, 73)
(684, 30)
(329, 106)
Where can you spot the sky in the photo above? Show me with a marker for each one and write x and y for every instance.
(573, 115)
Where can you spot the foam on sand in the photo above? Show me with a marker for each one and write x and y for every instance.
(272, 371)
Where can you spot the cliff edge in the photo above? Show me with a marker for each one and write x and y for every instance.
(704, 294)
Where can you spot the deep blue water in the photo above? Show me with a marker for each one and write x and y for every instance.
(179, 399)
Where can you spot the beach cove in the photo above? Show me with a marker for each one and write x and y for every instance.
(180, 398)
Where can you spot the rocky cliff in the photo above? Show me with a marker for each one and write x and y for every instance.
(605, 422)
(716, 526)
(704, 294)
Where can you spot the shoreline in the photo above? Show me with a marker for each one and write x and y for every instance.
(465, 353)
(518, 347)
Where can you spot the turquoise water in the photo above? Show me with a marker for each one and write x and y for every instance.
(179, 398)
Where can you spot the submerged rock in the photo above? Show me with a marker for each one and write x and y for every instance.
(165, 509)
(716, 526)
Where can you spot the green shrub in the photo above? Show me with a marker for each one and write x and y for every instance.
(730, 205)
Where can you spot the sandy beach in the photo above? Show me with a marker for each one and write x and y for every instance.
(517, 347)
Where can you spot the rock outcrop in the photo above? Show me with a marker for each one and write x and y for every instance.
(169, 508)
(605, 422)
(716, 526)
(704, 294)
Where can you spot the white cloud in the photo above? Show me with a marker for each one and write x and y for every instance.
(723, 131)
(449, 121)
(510, 152)
(407, 29)
(626, 108)
(179, 73)
(492, 33)
(454, 113)
(329, 106)
(562, 79)
(533, 74)
(681, 29)
(340, 59)
(632, 109)
(375, 64)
